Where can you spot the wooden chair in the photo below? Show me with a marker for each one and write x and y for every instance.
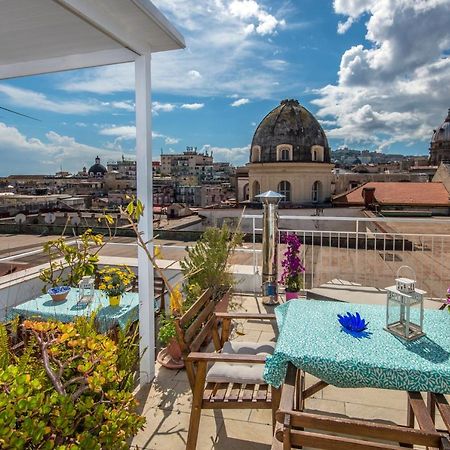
(300, 428)
(230, 377)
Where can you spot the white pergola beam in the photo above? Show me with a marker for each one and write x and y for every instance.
(70, 62)
(118, 25)
(145, 195)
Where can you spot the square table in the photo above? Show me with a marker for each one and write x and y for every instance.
(311, 338)
(43, 307)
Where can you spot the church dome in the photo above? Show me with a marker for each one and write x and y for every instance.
(442, 134)
(289, 133)
(97, 169)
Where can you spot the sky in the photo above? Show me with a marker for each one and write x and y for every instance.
(376, 74)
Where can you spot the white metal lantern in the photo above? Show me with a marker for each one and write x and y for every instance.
(404, 308)
(86, 290)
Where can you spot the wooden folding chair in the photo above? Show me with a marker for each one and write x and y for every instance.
(299, 428)
(230, 377)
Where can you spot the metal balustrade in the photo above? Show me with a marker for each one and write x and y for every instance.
(369, 252)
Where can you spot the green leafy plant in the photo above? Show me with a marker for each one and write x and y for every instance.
(68, 390)
(70, 263)
(167, 331)
(207, 262)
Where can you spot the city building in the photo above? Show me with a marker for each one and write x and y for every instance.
(397, 198)
(290, 154)
(189, 163)
(440, 143)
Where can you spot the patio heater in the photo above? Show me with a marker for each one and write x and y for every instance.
(270, 202)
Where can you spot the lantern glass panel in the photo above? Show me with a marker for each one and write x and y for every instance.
(86, 290)
(404, 312)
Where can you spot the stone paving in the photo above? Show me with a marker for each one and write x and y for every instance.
(166, 404)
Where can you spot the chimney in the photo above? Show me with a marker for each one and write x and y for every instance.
(368, 194)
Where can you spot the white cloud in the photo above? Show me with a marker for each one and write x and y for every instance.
(128, 132)
(123, 132)
(36, 100)
(343, 27)
(234, 155)
(192, 106)
(221, 38)
(170, 140)
(165, 107)
(390, 90)
(127, 105)
(34, 155)
(240, 102)
(249, 9)
(194, 74)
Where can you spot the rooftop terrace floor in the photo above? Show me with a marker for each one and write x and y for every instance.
(166, 405)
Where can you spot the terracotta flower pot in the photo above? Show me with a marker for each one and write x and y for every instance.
(171, 356)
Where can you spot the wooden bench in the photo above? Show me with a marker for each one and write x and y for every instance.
(299, 428)
(234, 381)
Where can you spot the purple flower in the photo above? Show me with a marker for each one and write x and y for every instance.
(292, 264)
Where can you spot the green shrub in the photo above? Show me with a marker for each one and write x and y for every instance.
(68, 390)
(206, 263)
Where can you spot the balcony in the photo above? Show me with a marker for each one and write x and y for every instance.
(347, 259)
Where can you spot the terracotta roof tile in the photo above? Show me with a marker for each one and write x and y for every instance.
(397, 193)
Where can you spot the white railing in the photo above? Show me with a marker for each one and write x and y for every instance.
(367, 251)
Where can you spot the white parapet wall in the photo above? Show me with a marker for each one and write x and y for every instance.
(24, 285)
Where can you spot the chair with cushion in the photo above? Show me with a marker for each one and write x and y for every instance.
(230, 377)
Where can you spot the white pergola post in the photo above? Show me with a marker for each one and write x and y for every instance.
(145, 194)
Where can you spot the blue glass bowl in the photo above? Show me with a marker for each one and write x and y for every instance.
(353, 322)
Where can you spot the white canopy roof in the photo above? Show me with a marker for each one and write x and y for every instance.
(40, 36)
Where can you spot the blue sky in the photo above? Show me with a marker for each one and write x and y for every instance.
(376, 73)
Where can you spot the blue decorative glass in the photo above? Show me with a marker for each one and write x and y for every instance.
(353, 322)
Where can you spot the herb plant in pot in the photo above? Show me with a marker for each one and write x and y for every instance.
(114, 282)
(170, 356)
(293, 268)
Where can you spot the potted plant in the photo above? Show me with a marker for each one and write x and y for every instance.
(114, 282)
(293, 268)
(170, 356)
(207, 263)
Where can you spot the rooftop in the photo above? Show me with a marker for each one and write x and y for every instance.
(398, 193)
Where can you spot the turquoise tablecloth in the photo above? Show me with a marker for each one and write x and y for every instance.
(44, 307)
(312, 339)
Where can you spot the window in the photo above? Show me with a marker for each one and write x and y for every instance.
(256, 153)
(285, 154)
(256, 189)
(316, 191)
(284, 188)
(246, 194)
(317, 153)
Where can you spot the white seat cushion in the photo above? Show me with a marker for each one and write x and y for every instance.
(222, 372)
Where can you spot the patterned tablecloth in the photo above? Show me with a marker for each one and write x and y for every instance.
(44, 307)
(313, 340)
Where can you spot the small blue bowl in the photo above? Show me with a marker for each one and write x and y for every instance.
(58, 293)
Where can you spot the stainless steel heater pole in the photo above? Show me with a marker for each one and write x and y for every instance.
(270, 202)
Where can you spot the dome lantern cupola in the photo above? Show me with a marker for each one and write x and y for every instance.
(97, 170)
